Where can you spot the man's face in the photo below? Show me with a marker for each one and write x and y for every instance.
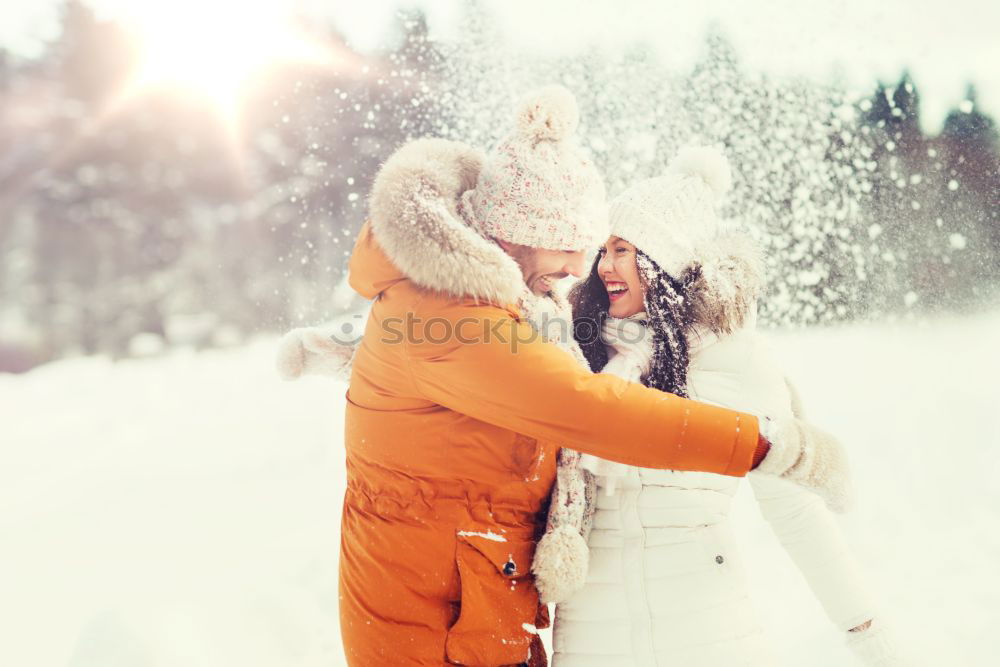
(541, 268)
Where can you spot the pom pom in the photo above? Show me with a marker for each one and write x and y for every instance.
(707, 163)
(560, 564)
(548, 114)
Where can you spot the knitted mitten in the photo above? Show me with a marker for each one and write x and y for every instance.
(875, 647)
(811, 458)
(309, 351)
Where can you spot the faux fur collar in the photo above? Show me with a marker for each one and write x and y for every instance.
(723, 297)
(415, 219)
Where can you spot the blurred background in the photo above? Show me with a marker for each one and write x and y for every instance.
(193, 173)
(181, 182)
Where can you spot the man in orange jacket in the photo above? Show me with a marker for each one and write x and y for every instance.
(457, 405)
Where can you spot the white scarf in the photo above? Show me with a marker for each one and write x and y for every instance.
(628, 332)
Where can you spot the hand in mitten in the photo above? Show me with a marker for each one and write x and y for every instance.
(633, 346)
(873, 645)
(811, 458)
(309, 351)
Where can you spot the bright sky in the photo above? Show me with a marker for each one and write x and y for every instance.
(945, 44)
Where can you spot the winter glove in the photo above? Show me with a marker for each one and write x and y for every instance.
(309, 351)
(803, 454)
(796, 398)
(874, 647)
(633, 346)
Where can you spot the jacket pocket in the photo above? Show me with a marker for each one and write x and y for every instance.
(499, 603)
(723, 557)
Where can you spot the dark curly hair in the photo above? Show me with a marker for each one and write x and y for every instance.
(669, 319)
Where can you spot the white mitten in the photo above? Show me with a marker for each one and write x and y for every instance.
(309, 351)
(633, 346)
(811, 458)
(874, 647)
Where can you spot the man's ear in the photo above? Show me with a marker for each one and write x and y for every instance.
(506, 245)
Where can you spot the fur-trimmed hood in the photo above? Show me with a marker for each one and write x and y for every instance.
(729, 280)
(416, 222)
(417, 233)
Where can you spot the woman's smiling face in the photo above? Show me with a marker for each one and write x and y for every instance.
(619, 272)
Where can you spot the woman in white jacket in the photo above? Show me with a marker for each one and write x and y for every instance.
(674, 297)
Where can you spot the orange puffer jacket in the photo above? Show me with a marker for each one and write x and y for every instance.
(455, 412)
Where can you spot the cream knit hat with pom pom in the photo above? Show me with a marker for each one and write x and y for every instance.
(671, 216)
(538, 188)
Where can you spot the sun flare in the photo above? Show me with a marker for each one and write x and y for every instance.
(214, 48)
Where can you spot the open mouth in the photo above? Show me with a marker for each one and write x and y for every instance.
(616, 290)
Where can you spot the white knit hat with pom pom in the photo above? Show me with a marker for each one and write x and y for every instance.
(538, 188)
(671, 216)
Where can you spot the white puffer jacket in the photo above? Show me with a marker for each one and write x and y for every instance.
(665, 584)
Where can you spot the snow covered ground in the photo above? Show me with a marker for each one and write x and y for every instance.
(184, 511)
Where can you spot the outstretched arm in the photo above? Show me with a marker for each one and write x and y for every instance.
(811, 536)
(511, 378)
(808, 532)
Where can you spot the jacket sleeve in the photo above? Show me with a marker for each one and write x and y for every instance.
(502, 373)
(811, 536)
